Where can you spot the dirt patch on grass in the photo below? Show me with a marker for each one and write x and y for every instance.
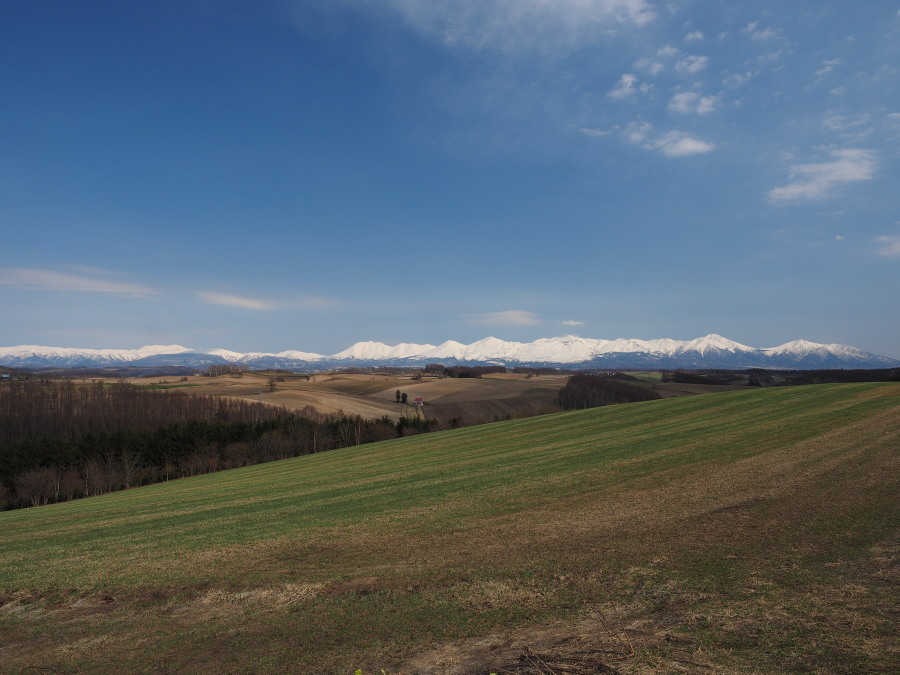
(278, 596)
(603, 641)
(847, 623)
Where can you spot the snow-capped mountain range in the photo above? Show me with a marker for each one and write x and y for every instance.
(711, 351)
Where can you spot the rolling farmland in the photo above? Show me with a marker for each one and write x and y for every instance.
(750, 531)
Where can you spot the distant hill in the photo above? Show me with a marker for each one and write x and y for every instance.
(711, 351)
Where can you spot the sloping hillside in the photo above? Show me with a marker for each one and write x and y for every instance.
(749, 531)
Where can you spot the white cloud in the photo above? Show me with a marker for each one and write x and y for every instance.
(821, 179)
(754, 31)
(637, 132)
(855, 126)
(677, 144)
(515, 25)
(84, 282)
(835, 122)
(625, 87)
(890, 245)
(735, 80)
(595, 133)
(692, 102)
(671, 144)
(694, 36)
(764, 34)
(513, 317)
(692, 64)
(235, 301)
(828, 66)
(667, 50)
(652, 67)
(572, 323)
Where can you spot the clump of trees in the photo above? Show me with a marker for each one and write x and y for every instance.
(472, 371)
(592, 391)
(232, 369)
(462, 371)
(684, 377)
(527, 370)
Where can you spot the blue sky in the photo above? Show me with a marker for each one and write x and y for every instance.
(305, 174)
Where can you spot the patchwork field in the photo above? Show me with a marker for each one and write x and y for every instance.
(373, 396)
(741, 532)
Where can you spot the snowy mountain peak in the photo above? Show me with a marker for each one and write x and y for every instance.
(572, 351)
(714, 341)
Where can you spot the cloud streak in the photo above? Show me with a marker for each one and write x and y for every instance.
(890, 245)
(821, 180)
(513, 317)
(51, 280)
(692, 64)
(692, 102)
(624, 88)
(516, 25)
(239, 301)
(670, 144)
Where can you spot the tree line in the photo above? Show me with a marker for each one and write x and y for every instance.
(60, 440)
(462, 371)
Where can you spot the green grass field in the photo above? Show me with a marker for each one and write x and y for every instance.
(741, 532)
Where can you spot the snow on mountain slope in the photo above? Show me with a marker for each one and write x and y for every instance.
(710, 351)
(298, 356)
(378, 351)
(802, 348)
(713, 342)
(28, 353)
(450, 349)
(233, 357)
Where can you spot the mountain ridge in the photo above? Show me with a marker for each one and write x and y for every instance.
(569, 351)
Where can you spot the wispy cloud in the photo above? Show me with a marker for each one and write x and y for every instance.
(678, 144)
(821, 179)
(754, 31)
(625, 87)
(671, 144)
(693, 36)
(649, 65)
(88, 280)
(235, 301)
(828, 66)
(890, 245)
(692, 64)
(692, 102)
(515, 25)
(572, 323)
(513, 317)
(855, 126)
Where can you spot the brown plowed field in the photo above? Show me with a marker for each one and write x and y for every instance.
(469, 401)
(495, 396)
